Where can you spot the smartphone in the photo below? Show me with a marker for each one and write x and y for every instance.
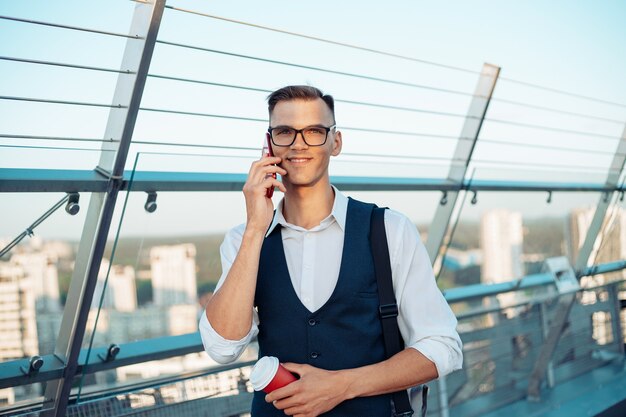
(267, 150)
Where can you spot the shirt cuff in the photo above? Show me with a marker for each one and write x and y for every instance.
(223, 350)
(446, 358)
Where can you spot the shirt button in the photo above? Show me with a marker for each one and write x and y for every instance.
(312, 322)
(314, 355)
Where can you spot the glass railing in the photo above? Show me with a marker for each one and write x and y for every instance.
(500, 236)
(500, 349)
(35, 277)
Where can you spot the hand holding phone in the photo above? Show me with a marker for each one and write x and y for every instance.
(267, 150)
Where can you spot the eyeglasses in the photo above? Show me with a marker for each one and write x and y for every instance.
(312, 135)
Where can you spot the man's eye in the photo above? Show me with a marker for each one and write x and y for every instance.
(315, 131)
(283, 131)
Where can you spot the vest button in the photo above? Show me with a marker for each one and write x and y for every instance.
(312, 322)
(314, 355)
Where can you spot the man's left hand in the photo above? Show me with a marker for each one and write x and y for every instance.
(316, 392)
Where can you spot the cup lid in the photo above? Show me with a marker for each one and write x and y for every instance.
(263, 372)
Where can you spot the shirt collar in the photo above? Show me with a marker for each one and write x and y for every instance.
(338, 213)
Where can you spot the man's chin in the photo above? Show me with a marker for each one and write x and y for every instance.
(302, 182)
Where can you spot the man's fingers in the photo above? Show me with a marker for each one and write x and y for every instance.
(267, 160)
(271, 171)
(259, 172)
(294, 411)
(291, 411)
(274, 169)
(289, 406)
(281, 393)
(279, 184)
(271, 181)
(298, 368)
(261, 177)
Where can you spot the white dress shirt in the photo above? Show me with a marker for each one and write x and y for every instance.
(313, 260)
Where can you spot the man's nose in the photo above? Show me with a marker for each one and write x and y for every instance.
(299, 142)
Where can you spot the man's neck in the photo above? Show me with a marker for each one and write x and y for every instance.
(308, 206)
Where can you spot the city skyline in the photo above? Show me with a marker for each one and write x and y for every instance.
(145, 254)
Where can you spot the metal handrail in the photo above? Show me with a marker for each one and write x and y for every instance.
(62, 180)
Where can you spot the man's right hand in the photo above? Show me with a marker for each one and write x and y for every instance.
(259, 208)
(230, 309)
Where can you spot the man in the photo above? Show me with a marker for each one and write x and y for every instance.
(303, 280)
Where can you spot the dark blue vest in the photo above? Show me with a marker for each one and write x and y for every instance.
(343, 333)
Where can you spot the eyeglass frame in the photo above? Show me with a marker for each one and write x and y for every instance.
(301, 132)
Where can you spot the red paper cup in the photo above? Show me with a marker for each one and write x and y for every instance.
(268, 374)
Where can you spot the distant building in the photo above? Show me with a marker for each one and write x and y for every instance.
(611, 244)
(577, 226)
(122, 284)
(230, 382)
(173, 274)
(38, 262)
(41, 267)
(144, 323)
(457, 259)
(18, 328)
(501, 240)
(120, 293)
(48, 326)
(533, 262)
(59, 248)
(7, 395)
(469, 275)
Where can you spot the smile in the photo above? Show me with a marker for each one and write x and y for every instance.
(299, 160)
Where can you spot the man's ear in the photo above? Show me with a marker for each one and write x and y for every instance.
(337, 143)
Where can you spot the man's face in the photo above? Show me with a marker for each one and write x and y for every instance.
(305, 165)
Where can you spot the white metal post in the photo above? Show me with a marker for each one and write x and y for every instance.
(462, 156)
(120, 126)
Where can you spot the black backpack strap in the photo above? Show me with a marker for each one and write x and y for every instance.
(388, 308)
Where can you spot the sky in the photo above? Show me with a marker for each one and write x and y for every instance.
(575, 46)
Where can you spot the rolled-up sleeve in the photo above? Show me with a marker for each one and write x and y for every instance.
(223, 350)
(220, 349)
(425, 319)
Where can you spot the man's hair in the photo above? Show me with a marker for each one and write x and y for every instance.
(299, 92)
